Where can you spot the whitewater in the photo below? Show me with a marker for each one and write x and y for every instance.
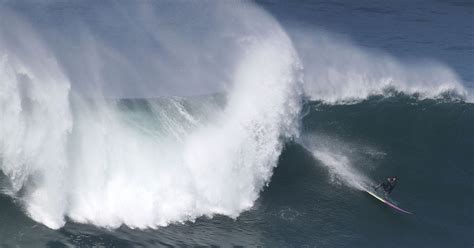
(74, 148)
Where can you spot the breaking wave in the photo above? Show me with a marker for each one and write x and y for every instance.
(150, 162)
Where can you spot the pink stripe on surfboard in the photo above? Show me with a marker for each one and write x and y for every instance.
(387, 202)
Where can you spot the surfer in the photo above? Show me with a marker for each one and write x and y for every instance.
(388, 185)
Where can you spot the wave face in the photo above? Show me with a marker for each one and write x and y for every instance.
(313, 197)
(426, 143)
(69, 151)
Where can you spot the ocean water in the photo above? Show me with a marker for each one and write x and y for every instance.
(207, 124)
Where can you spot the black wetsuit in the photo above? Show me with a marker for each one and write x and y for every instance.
(388, 185)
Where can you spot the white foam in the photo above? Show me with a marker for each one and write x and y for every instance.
(338, 71)
(36, 122)
(82, 158)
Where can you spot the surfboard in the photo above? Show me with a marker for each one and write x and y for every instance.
(388, 203)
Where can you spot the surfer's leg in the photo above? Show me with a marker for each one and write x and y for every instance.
(377, 187)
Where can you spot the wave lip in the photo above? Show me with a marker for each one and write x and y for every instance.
(338, 71)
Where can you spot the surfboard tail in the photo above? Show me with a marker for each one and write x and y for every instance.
(388, 203)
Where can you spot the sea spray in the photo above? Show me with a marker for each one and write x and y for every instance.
(337, 71)
(346, 162)
(36, 122)
(69, 155)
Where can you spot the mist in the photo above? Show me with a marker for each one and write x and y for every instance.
(134, 50)
(336, 70)
(71, 152)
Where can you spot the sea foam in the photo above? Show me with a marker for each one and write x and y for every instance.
(85, 159)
